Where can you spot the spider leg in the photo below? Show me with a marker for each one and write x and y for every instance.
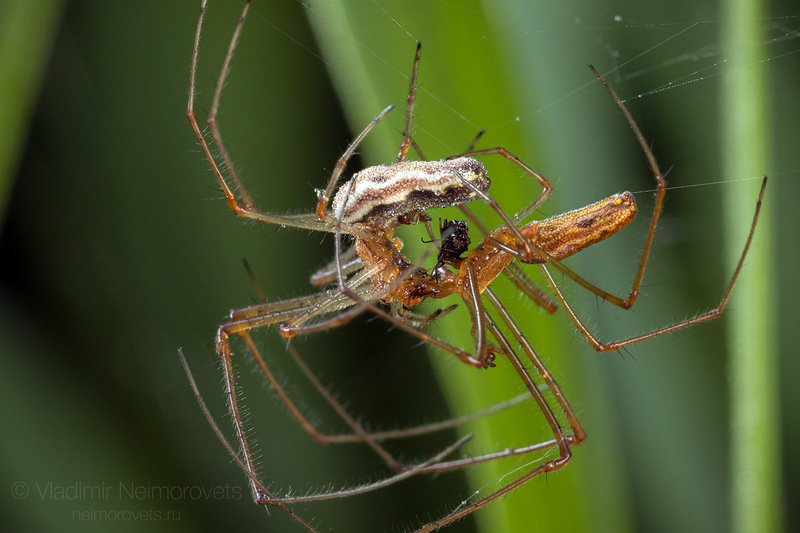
(418, 150)
(478, 315)
(578, 434)
(661, 189)
(341, 163)
(356, 310)
(266, 314)
(474, 141)
(541, 180)
(318, 436)
(437, 463)
(221, 436)
(547, 377)
(367, 487)
(350, 262)
(242, 328)
(530, 249)
(411, 100)
(703, 317)
(337, 250)
(358, 434)
(324, 199)
(245, 208)
(526, 253)
(526, 285)
(211, 120)
(357, 292)
(278, 311)
(232, 394)
(421, 321)
(264, 497)
(392, 434)
(561, 440)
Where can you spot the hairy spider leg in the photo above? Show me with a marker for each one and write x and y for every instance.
(703, 317)
(633, 294)
(436, 463)
(211, 120)
(241, 327)
(605, 220)
(265, 497)
(221, 437)
(309, 307)
(359, 434)
(630, 300)
(246, 208)
(411, 100)
(243, 320)
(560, 439)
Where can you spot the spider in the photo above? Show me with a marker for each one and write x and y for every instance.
(373, 276)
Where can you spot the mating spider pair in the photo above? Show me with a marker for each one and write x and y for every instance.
(373, 276)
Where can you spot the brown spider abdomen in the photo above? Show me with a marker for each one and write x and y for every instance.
(559, 237)
(568, 233)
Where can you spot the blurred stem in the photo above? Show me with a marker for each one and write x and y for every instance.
(755, 449)
(26, 30)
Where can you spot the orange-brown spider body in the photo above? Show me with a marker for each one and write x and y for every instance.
(558, 237)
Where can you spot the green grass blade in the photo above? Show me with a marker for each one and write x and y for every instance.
(755, 442)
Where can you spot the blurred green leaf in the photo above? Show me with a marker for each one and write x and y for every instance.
(26, 31)
(754, 365)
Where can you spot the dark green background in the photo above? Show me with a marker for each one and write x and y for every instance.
(117, 248)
